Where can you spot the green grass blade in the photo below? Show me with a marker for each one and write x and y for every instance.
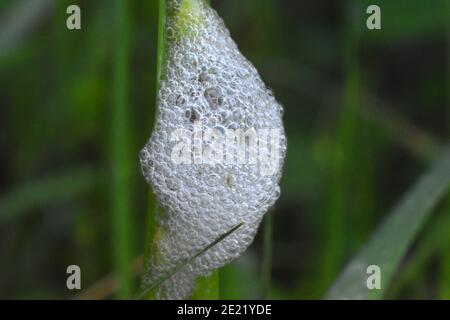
(266, 272)
(155, 285)
(445, 264)
(343, 161)
(152, 209)
(123, 163)
(433, 241)
(36, 194)
(161, 55)
(207, 287)
(391, 240)
(444, 284)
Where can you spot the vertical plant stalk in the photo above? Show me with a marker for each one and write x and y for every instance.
(267, 17)
(206, 287)
(122, 187)
(266, 266)
(343, 155)
(445, 267)
(161, 62)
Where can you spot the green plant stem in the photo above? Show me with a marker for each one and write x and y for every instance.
(150, 246)
(444, 285)
(161, 45)
(122, 188)
(343, 159)
(266, 272)
(445, 264)
(207, 288)
(161, 54)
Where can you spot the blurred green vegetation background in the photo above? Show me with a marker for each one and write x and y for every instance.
(366, 113)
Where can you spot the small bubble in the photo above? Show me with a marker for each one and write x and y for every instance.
(172, 183)
(181, 100)
(213, 97)
(229, 180)
(204, 77)
(250, 121)
(192, 115)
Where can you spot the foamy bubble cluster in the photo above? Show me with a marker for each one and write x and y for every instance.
(208, 80)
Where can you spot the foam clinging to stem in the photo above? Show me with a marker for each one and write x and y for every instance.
(208, 83)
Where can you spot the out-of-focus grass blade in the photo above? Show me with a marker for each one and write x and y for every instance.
(390, 241)
(18, 20)
(155, 285)
(123, 163)
(53, 190)
(445, 263)
(433, 241)
(343, 161)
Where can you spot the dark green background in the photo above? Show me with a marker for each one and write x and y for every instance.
(365, 113)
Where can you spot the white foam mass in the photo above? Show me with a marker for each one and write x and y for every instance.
(207, 80)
